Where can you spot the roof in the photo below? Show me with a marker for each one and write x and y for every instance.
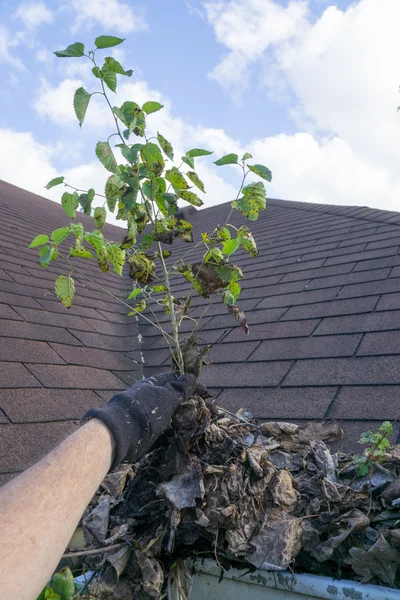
(322, 300)
(55, 363)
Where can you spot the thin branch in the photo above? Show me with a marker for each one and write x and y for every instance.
(94, 551)
(112, 295)
(79, 190)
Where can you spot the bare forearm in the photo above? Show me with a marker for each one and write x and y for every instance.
(41, 508)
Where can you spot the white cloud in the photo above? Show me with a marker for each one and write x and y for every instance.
(247, 28)
(110, 14)
(33, 14)
(338, 76)
(7, 42)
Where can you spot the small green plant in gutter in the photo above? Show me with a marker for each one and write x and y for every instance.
(378, 447)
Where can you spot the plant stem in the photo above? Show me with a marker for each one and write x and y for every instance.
(79, 190)
(109, 104)
(174, 323)
(112, 295)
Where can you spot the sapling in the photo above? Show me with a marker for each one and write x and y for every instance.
(143, 191)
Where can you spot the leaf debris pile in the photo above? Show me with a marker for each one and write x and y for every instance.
(269, 496)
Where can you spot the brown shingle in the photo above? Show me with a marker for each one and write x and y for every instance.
(65, 376)
(93, 357)
(15, 375)
(44, 405)
(23, 445)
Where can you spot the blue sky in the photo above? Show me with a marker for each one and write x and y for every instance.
(309, 87)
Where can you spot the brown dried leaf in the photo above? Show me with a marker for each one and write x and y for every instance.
(152, 574)
(278, 543)
(95, 524)
(380, 561)
(348, 523)
(282, 491)
(114, 483)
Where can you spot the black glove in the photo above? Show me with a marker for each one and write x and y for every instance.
(139, 415)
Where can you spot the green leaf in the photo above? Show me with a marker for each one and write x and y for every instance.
(152, 158)
(53, 182)
(39, 240)
(151, 107)
(189, 161)
(109, 78)
(214, 254)
(81, 102)
(116, 256)
(228, 298)
(197, 152)
(59, 235)
(228, 159)
(246, 239)
(108, 41)
(176, 178)
(191, 197)
(100, 216)
(230, 246)
(135, 292)
(72, 51)
(262, 171)
(132, 116)
(166, 146)
(80, 251)
(252, 201)
(77, 230)
(85, 200)
(159, 288)
(48, 594)
(234, 288)
(246, 156)
(113, 65)
(47, 254)
(96, 239)
(69, 202)
(138, 308)
(106, 156)
(96, 72)
(386, 427)
(130, 153)
(194, 178)
(114, 191)
(65, 290)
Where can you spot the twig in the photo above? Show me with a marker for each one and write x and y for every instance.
(94, 551)
(240, 418)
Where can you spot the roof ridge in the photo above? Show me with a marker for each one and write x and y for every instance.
(353, 212)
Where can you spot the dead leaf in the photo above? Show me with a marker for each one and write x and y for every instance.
(282, 491)
(342, 528)
(95, 524)
(278, 543)
(152, 574)
(183, 489)
(119, 560)
(114, 483)
(381, 561)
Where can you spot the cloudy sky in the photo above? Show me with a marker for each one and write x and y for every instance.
(309, 87)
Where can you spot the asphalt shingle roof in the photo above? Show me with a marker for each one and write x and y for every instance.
(322, 300)
(55, 363)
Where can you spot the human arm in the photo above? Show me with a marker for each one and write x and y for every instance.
(40, 509)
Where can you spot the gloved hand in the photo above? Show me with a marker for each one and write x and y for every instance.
(139, 415)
